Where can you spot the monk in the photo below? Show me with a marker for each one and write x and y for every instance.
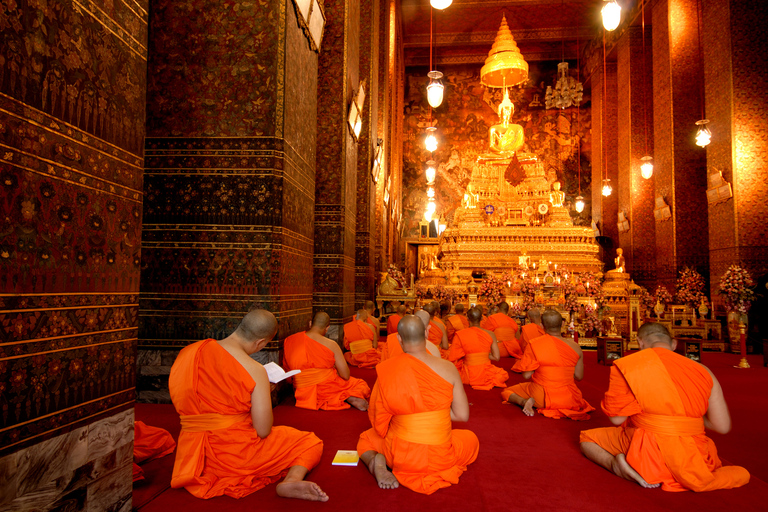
(505, 329)
(395, 348)
(414, 400)
(361, 341)
(149, 443)
(555, 363)
(324, 381)
(370, 308)
(227, 443)
(437, 333)
(533, 329)
(456, 322)
(662, 402)
(394, 319)
(472, 351)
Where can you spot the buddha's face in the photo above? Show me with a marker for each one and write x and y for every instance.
(556, 185)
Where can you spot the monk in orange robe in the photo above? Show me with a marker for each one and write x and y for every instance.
(324, 381)
(505, 330)
(533, 329)
(394, 348)
(149, 443)
(456, 322)
(370, 308)
(361, 341)
(394, 319)
(437, 333)
(227, 443)
(554, 362)
(414, 400)
(662, 402)
(472, 351)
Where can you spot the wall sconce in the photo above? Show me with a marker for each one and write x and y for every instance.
(355, 119)
(377, 157)
(611, 13)
(312, 21)
(579, 204)
(430, 141)
(703, 135)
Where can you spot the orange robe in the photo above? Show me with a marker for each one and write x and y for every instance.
(392, 321)
(410, 414)
(472, 346)
(392, 348)
(505, 329)
(149, 443)
(219, 451)
(435, 335)
(455, 323)
(358, 339)
(553, 386)
(529, 332)
(665, 396)
(319, 386)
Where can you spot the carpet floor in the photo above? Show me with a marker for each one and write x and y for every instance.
(524, 463)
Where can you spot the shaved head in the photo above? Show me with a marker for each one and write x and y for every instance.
(369, 306)
(411, 331)
(459, 309)
(401, 310)
(504, 307)
(321, 320)
(494, 310)
(474, 315)
(534, 314)
(423, 316)
(362, 314)
(431, 308)
(552, 320)
(257, 324)
(653, 333)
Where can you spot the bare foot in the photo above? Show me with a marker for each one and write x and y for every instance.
(378, 468)
(621, 467)
(358, 403)
(302, 490)
(528, 407)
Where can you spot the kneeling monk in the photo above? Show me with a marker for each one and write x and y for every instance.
(505, 330)
(472, 351)
(227, 443)
(554, 362)
(361, 340)
(414, 400)
(324, 381)
(662, 402)
(533, 329)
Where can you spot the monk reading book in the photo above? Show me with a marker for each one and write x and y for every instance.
(662, 402)
(555, 363)
(533, 329)
(361, 341)
(227, 443)
(456, 322)
(472, 351)
(394, 319)
(324, 381)
(505, 330)
(413, 402)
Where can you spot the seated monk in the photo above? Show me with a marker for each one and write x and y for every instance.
(414, 400)
(533, 329)
(472, 351)
(370, 308)
(361, 341)
(395, 348)
(661, 402)
(554, 362)
(149, 443)
(505, 329)
(324, 381)
(437, 332)
(394, 319)
(456, 322)
(227, 443)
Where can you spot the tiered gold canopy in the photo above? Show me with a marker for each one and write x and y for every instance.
(505, 65)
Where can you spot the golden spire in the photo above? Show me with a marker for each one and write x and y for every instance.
(505, 65)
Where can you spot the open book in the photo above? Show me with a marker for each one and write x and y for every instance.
(276, 374)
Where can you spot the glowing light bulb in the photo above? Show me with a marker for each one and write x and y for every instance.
(579, 204)
(611, 15)
(703, 135)
(607, 188)
(646, 168)
(431, 172)
(430, 141)
(431, 206)
(440, 4)
(435, 89)
(430, 192)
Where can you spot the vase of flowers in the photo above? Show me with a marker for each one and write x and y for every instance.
(689, 288)
(736, 287)
(663, 297)
(492, 289)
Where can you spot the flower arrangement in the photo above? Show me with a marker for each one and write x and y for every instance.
(420, 291)
(647, 301)
(508, 277)
(570, 297)
(395, 274)
(690, 287)
(441, 293)
(492, 289)
(528, 290)
(736, 288)
(662, 295)
(590, 321)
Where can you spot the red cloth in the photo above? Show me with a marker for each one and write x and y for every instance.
(304, 353)
(357, 330)
(206, 379)
(455, 323)
(665, 396)
(392, 321)
(505, 329)
(480, 376)
(529, 332)
(552, 362)
(406, 386)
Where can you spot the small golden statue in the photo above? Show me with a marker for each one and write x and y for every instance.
(619, 260)
(470, 199)
(506, 137)
(556, 196)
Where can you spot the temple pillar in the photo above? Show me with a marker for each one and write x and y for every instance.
(680, 165)
(635, 194)
(230, 173)
(337, 155)
(734, 34)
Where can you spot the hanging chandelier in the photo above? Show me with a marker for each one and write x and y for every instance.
(703, 135)
(430, 141)
(611, 13)
(435, 89)
(579, 204)
(646, 168)
(607, 188)
(440, 4)
(431, 172)
(568, 91)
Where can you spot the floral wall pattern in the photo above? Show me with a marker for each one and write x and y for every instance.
(468, 110)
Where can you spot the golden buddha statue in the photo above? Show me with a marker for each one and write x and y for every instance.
(619, 260)
(556, 196)
(505, 137)
(470, 198)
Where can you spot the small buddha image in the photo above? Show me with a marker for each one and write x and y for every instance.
(556, 196)
(504, 136)
(470, 198)
(619, 260)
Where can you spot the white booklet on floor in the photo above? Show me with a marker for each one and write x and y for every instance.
(276, 374)
(345, 458)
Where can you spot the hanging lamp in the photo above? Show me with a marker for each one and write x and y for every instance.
(430, 141)
(611, 13)
(440, 4)
(703, 135)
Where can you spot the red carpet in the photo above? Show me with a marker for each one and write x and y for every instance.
(524, 463)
